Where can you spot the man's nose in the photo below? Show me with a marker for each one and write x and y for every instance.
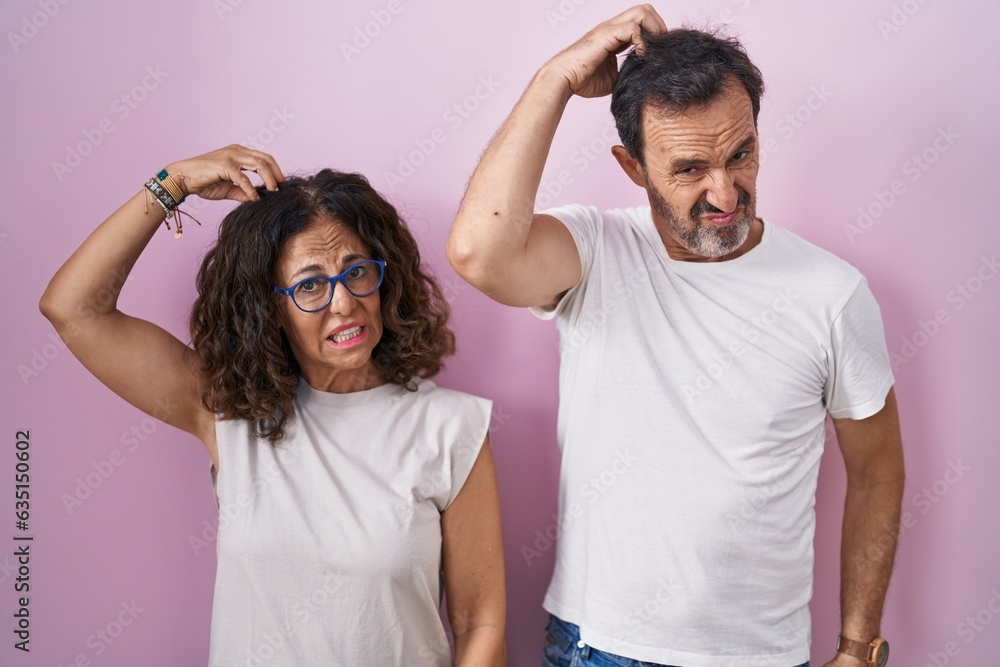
(722, 192)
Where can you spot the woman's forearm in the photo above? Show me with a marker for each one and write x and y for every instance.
(481, 646)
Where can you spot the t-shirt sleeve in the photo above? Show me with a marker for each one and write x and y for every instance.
(583, 223)
(859, 370)
(471, 426)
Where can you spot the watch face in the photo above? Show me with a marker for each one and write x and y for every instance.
(882, 654)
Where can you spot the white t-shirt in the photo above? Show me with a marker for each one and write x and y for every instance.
(329, 546)
(693, 399)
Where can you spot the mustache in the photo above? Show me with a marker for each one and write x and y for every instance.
(703, 207)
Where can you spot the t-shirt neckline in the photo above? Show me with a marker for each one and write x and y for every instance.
(305, 392)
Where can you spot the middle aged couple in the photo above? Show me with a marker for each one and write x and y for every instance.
(364, 487)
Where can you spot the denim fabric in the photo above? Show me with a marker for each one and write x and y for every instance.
(563, 648)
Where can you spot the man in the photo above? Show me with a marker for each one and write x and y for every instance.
(701, 350)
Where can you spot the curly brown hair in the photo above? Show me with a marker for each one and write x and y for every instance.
(247, 366)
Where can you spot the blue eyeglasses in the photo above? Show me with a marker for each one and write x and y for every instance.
(315, 293)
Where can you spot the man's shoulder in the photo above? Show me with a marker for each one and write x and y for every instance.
(828, 280)
(600, 216)
(801, 255)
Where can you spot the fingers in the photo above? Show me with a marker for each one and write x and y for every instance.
(242, 181)
(242, 159)
(655, 25)
(627, 27)
(266, 168)
(645, 16)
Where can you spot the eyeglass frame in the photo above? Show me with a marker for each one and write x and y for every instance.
(333, 280)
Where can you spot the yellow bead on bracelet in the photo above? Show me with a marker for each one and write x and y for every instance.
(170, 186)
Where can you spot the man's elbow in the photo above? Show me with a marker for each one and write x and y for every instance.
(460, 253)
(469, 261)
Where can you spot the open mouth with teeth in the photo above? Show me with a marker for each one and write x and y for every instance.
(347, 335)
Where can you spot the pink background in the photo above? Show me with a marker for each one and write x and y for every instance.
(230, 70)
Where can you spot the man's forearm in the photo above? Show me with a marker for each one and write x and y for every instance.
(495, 216)
(868, 550)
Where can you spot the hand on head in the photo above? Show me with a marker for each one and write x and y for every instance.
(590, 65)
(220, 174)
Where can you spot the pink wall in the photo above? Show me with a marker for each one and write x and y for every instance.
(856, 90)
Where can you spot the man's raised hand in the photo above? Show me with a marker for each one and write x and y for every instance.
(590, 66)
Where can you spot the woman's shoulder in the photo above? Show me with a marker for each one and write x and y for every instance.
(430, 392)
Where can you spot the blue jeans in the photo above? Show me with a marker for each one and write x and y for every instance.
(563, 648)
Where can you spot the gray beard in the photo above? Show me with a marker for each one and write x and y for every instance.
(706, 240)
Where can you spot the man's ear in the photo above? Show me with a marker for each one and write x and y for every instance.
(629, 165)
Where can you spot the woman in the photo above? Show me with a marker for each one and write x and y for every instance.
(347, 481)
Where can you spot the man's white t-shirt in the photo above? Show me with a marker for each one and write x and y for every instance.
(693, 399)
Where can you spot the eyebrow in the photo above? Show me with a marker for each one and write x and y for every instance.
(313, 268)
(684, 163)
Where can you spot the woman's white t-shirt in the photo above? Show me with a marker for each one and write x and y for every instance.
(329, 544)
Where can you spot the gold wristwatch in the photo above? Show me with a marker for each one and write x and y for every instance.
(875, 654)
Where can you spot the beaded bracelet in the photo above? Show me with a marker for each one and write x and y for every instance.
(161, 194)
(164, 191)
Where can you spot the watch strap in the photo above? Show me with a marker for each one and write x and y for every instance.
(853, 648)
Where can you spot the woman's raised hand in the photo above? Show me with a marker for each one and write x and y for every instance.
(220, 174)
